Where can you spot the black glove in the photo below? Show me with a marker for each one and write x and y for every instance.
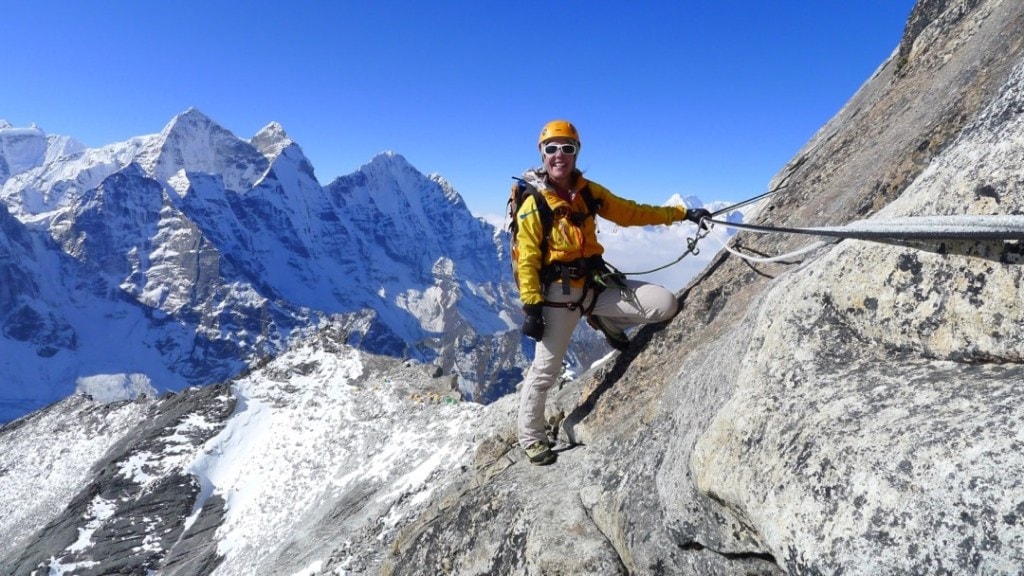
(533, 325)
(695, 215)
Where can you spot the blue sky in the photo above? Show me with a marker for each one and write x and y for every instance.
(704, 98)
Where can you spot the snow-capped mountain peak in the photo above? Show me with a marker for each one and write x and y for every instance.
(202, 252)
(20, 148)
(198, 144)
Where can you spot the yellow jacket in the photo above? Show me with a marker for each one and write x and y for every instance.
(569, 241)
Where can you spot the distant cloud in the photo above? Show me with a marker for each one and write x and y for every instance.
(643, 248)
(499, 221)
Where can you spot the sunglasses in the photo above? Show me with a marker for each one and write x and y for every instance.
(567, 149)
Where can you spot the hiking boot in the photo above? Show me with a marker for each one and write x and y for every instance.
(616, 338)
(540, 454)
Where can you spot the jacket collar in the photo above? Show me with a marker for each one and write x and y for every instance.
(538, 178)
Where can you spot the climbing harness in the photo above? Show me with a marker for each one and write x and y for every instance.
(613, 278)
(599, 276)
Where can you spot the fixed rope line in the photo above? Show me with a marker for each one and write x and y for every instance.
(954, 227)
(746, 202)
(908, 228)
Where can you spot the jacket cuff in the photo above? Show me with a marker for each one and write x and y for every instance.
(531, 299)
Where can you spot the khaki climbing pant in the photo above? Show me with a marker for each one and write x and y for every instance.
(651, 303)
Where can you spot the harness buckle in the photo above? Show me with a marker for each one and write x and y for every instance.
(575, 272)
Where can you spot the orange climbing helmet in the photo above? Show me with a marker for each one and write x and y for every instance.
(558, 129)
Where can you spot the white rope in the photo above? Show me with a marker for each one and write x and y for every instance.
(951, 227)
(764, 260)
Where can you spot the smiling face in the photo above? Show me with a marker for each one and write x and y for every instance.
(559, 156)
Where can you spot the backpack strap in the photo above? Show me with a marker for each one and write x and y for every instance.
(593, 204)
(547, 216)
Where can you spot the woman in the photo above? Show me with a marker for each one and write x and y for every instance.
(556, 267)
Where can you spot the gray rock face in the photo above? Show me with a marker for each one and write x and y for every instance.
(879, 399)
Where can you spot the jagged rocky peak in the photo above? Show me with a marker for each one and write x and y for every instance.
(58, 147)
(191, 117)
(271, 140)
(391, 170)
(191, 124)
(387, 160)
(191, 140)
(386, 179)
(450, 193)
(274, 143)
